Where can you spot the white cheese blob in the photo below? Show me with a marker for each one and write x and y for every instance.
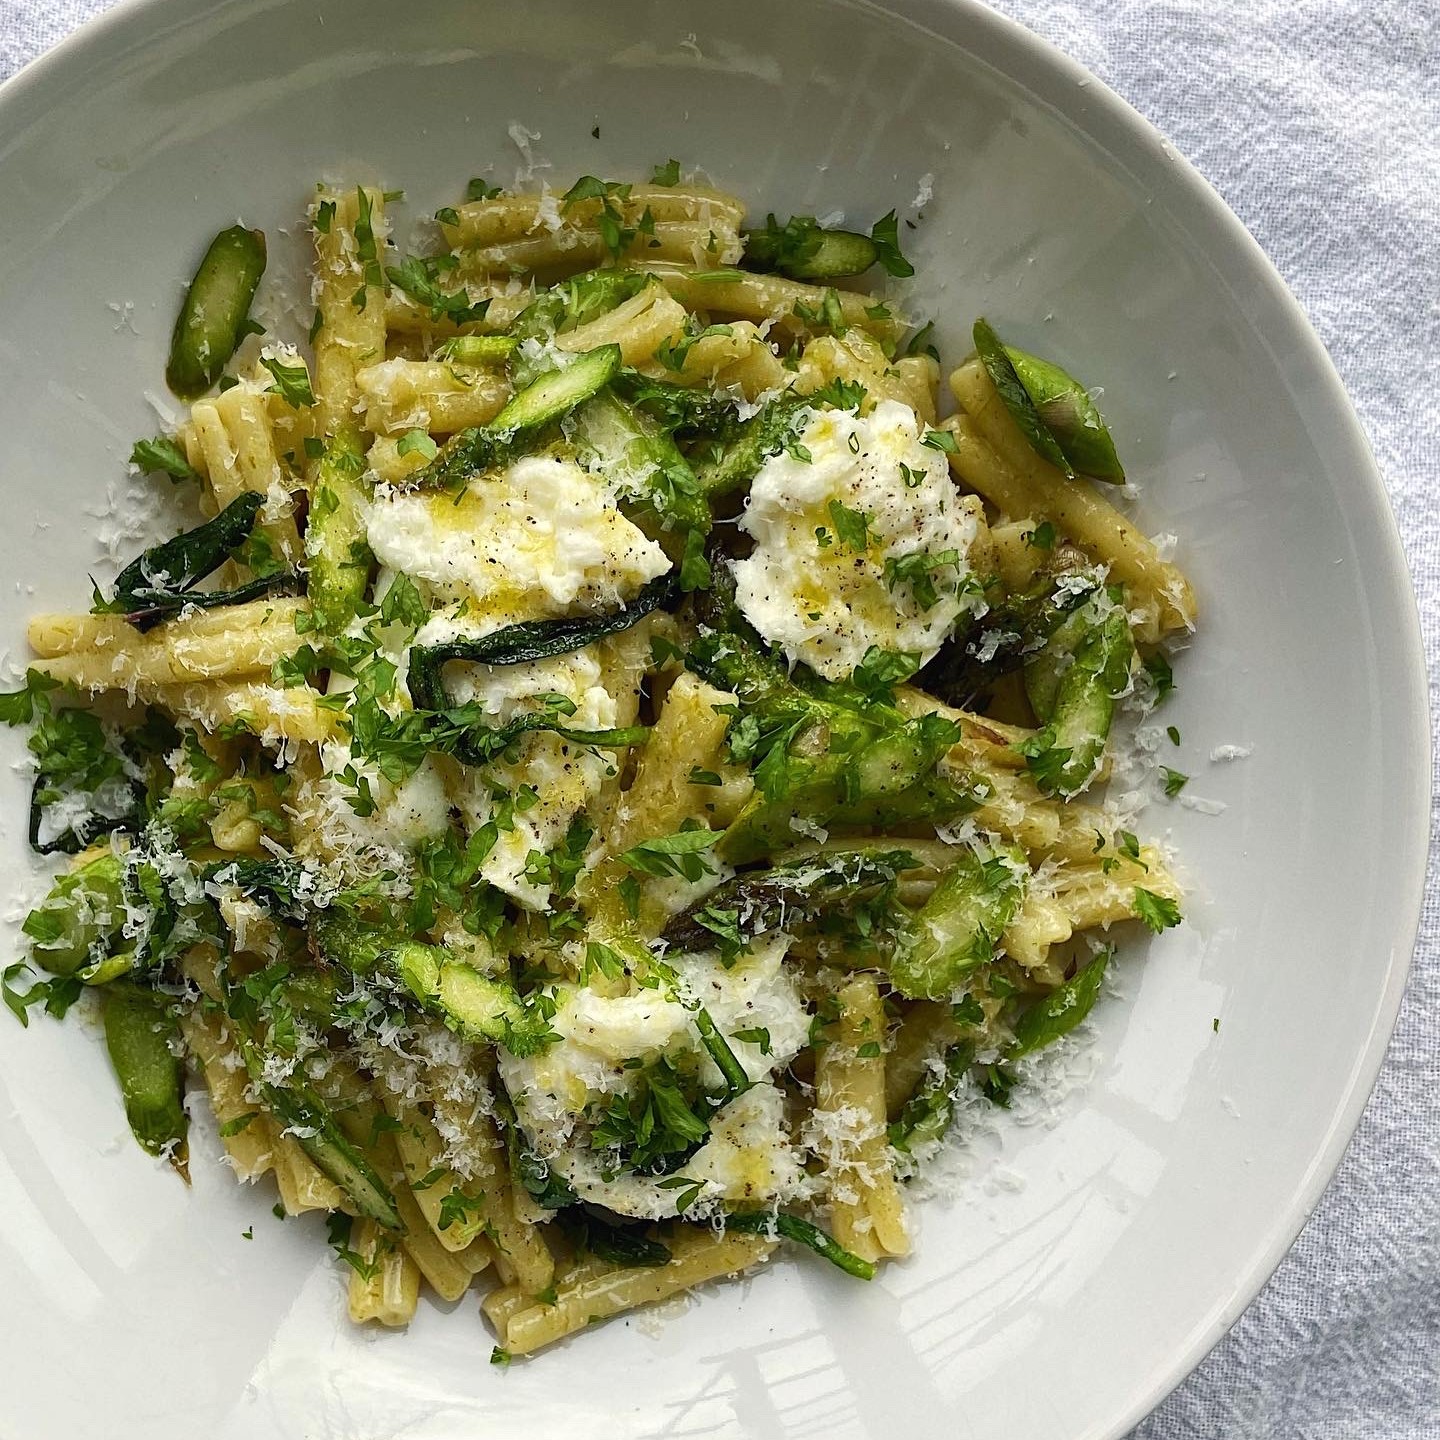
(403, 815)
(604, 1042)
(549, 781)
(808, 589)
(540, 537)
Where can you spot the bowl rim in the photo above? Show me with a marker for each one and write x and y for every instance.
(1009, 48)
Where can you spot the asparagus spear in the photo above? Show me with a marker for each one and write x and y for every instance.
(1073, 683)
(143, 1039)
(928, 1112)
(212, 319)
(734, 464)
(795, 890)
(1020, 624)
(792, 1227)
(517, 428)
(1053, 410)
(72, 929)
(472, 1004)
(663, 496)
(1060, 1011)
(564, 306)
(338, 559)
(956, 929)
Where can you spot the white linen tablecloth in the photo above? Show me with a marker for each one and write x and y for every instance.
(1319, 122)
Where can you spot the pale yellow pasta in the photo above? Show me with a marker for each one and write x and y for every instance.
(767, 297)
(572, 249)
(303, 1185)
(63, 634)
(688, 734)
(995, 459)
(1097, 895)
(521, 1254)
(867, 1213)
(511, 217)
(149, 660)
(389, 465)
(401, 395)
(248, 1143)
(504, 1301)
(234, 829)
(489, 1208)
(1018, 561)
(1040, 923)
(390, 1289)
(271, 711)
(237, 437)
(594, 1291)
(735, 355)
(406, 317)
(432, 1183)
(639, 326)
(444, 1271)
(986, 742)
(918, 376)
(351, 305)
(855, 357)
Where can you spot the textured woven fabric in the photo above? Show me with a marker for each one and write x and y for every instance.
(1319, 122)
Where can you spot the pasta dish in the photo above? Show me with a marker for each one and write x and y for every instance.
(611, 757)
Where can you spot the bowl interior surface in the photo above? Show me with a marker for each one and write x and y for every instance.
(1073, 1276)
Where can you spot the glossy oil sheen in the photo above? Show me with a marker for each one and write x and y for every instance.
(1089, 1265)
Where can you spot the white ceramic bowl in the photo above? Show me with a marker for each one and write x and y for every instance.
(1059, 1304)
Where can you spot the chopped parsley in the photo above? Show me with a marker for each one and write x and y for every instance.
(292, 382)
(1175, 781)
(1155, 910)
(851, 526)
(681, 854)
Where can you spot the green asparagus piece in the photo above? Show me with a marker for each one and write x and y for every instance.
(476, 349)
(301, 1112)
(1065, 406)
(212, 320)
(338, 559)
(674, 407)
(1023, 622)
(958, 926)
(801, 249)
(928, 1112)
(792, 1227)
(144, 1044)
(72, 930)
(892, 780)
(472, 1004)
(734, 464)
(565, 306)
(876, 768)
(1060, 1011)
(662, 495)
(1073, 683)
(549, 396)
(1052, 409)
(795, 891)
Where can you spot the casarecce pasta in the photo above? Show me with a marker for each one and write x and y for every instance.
(613, 765)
